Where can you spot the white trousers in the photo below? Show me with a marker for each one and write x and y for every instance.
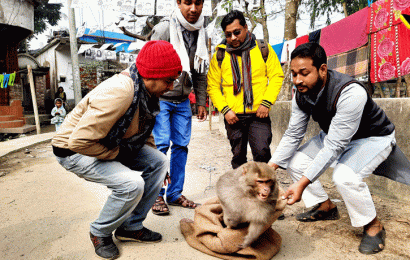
(350, 185)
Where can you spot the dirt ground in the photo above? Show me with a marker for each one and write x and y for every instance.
(209, 157)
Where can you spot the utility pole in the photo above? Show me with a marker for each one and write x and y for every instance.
(74, 54)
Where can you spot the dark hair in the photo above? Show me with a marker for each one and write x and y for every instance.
(231, 17)
(310, 50)
(179, 1)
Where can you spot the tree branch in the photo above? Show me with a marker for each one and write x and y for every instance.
(136, 36)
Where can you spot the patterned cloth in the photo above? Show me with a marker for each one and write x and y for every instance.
(389, 39)
(353, 63)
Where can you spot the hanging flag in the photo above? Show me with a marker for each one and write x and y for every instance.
(165, 7)
(207, 8)
(118, 44)
(144, 7)
(93, 29)
(110, 55)
(84, 47)
(80, 31)
(124, 57)
(90, 53)
(405, 19)
(99, 54)
(137, 45)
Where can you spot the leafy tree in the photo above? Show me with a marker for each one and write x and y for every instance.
(46, 13)
(318, 8)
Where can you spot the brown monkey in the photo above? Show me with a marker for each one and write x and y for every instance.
(249, 194)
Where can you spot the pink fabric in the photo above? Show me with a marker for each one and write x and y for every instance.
(385, 13)
(346, 34)
(390, 50)
(301, 40)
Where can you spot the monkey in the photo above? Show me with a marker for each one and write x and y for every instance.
(249, 194)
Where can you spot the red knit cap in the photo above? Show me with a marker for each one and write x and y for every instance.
(158, 59)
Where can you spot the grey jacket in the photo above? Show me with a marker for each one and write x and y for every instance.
(184, 84)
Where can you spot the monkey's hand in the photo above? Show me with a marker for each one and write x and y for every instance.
(294, 192)
(231, 117)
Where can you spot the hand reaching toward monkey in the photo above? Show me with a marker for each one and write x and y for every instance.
(294, 192)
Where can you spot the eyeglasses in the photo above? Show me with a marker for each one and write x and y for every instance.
(236, 33)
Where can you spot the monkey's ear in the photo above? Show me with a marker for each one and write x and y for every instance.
(245, 169)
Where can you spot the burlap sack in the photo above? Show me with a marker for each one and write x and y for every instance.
(206, 234)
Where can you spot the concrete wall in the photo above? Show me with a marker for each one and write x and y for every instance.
(18, 13)
(398, 111)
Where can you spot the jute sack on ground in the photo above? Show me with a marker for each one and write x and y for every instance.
(207, 234)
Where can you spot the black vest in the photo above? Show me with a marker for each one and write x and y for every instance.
(374, 121)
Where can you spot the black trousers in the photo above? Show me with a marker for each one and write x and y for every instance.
(250, 128)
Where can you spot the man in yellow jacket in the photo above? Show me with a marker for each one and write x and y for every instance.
(249, 87)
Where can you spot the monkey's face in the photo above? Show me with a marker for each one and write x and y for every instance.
(263, 188)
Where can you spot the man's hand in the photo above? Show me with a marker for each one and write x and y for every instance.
(231, 117)
(294, 192)
(262, 112)
(167, 180)
(273, 165)
(201, 113)
(57, 114)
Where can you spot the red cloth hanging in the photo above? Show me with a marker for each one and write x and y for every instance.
(345, 35)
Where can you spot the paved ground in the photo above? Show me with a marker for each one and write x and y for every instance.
(45, 211)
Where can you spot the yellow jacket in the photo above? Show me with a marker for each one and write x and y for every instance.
(266, 81)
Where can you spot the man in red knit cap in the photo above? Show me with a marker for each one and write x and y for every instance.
(107, 139)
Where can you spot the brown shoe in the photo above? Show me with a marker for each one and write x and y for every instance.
(105, 247)
(184, 202)
(160, 207)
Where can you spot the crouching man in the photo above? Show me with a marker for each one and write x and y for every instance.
(107, 139)
(356, 136)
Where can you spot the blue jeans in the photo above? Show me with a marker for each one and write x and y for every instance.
(173, 124)
(135, 186)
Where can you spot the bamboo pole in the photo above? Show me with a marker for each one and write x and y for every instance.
(33, 97)
(398, 87)
(209, 99)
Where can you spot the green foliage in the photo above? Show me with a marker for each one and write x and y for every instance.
(318, 8)
(46, 13)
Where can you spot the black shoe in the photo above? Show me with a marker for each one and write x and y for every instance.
(372, 244)
(315, 215)
(105, 247)
(144, 235)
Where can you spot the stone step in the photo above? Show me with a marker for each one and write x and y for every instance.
(7, 118)
(18, 130)
(11, 124)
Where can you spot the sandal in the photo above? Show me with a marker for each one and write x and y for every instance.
(160, 207)
(372, 244)
(315, 215)
(183, 202)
